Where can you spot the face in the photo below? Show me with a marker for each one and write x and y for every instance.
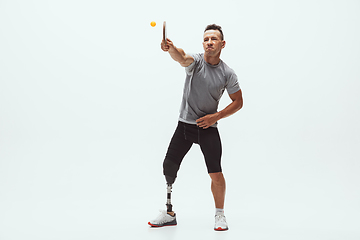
(212, 42)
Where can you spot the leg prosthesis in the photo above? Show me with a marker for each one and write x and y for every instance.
(168, 202)
(170, 172)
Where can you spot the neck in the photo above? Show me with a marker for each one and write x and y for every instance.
(213, 60)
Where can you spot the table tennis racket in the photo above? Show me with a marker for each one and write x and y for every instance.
(164, 32)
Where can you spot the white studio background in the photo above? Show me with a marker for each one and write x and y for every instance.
(89, 102)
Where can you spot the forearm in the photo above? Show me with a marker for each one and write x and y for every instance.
(233, 107)
(177, 54)
(230, 109)
(210, 119)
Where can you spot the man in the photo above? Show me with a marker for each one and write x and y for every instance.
(207, 76)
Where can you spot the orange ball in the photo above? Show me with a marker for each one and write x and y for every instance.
(153, 24)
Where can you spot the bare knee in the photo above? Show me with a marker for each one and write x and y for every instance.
(217, 177)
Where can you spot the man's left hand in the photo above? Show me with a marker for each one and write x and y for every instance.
(207, 121)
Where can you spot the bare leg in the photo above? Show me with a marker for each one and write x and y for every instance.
(218, 187)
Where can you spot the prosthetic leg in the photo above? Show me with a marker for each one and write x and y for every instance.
(170, 181)
(168, 202)
(166, 218)
(170, 170)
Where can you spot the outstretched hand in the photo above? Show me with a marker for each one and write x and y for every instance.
(166, 47)
(207, 121)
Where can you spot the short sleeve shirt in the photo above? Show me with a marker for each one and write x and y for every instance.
(203, 88)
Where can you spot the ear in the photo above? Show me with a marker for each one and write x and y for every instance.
(223, 44)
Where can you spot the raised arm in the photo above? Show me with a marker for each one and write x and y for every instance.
(177, 54)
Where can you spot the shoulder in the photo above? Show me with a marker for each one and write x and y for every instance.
(198, 61)
(229, 72)
(227, 68)
(197, 56)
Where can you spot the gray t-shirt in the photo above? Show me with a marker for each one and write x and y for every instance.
(204, 86)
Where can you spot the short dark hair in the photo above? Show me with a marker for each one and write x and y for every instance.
(215, 27)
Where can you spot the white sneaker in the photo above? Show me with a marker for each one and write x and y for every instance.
(164, 219)
(220, 222)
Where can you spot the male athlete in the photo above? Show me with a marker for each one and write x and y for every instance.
(207, 76)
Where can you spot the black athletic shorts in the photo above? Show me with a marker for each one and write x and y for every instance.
(208, 139)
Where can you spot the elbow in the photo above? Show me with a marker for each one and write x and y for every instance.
(240, 105)
(183, 63)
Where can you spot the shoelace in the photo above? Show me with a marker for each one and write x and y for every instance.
(162, 217)
(220, 218)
